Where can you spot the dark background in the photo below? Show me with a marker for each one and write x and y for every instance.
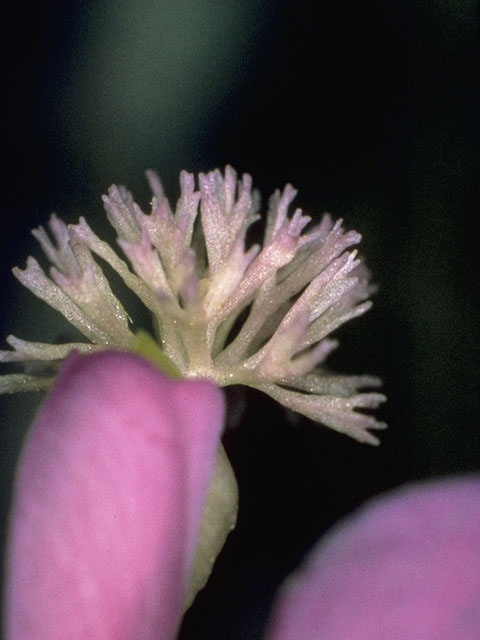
(371, 110)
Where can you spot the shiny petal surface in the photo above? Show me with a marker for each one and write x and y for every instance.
(406, 568)
(109, 492)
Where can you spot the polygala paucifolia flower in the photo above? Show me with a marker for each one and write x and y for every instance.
(107, 518)
(223, 313)
(124, 495)
(259, 316)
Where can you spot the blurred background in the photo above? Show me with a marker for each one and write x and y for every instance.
(371, 110)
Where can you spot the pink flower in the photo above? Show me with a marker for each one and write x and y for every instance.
(407, 567)
(109, 493)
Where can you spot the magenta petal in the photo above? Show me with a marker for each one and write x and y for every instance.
(109, 493)
(406, 568)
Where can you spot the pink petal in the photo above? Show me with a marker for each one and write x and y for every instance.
(109, 492)
(406, 568)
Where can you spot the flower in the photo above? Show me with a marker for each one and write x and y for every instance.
(258, 315)
(106, 516)
(406, 566)
(109, 494)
